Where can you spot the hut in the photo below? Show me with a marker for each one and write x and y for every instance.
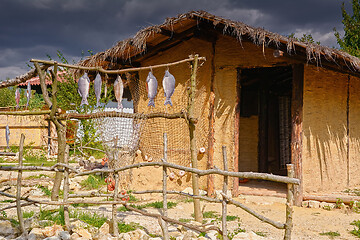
(270, 99)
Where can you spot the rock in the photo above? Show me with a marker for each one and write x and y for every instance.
(139, 234)
(74, 236)
(36, 192)
(124, 236)
(247, 236)
(174, 234)
(314, 204)
(155, 238)
(6, 229)
(53, 238)
(36, 233)
(327, 206)
(92, 158)
(202, 192)
(52, 230)
(82, 233)
(79, 224)
(305, 204)
(212, 234)
(188, 190)
(190, 235)
(219, 196)
(104, 229)
(64, 235)
(104, 237)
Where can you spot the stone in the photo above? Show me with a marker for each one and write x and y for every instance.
(79, 224)
(36, 192)
(74, 236)
(6, 228)
(53, 238)
(212, 234)
(124, 236)
(174, 234)
(37, 233)
(155, 238)
(219, 196)
(188, 190)
(314, 204)
(83, 233)
(139, 234)
(104, 237)
(104, 229)
(327, 206)
(305, 204)
(190, 235)
(52, 230)
(64, 235)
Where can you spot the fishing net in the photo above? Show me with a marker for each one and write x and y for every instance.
(139, 135)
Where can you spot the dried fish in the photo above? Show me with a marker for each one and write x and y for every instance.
(119, 91)
(17, 98)
(7, 135)
(151, 87)
(169, 86)
(97, 88)
(83, 88)
(28, 94)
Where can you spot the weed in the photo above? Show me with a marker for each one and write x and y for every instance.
(44, 189)
(92, 219)
(261, 234)
(210, 214)
(7, 201)
(92, 182)
(124, 228)
(3, 214)
(202, 234)
(188, 200)
(54, 215)
(236, 231)
(38, 176)
(28, 214)
(132, 198)
(185, 220)
(356, 230)
(339, 203)
(330, 234)
(327, 207)
(230, 218)
(355, 206)
(84, 205)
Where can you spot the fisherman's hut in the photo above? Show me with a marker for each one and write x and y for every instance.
(270, 99)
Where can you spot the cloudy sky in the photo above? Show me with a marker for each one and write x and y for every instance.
(37, 28)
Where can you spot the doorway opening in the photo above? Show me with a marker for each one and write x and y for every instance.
(265, 119)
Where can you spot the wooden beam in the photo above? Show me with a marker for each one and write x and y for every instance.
(296, 128)
(235, 190)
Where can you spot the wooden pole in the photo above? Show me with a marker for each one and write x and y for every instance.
(235, 190)
(163, 225)
(224, 201)
(66, 189)
(100, 69)
(115, 230)
(296, 127)
(25, 113)
(18, 188)
(289, 203)
(193, 149)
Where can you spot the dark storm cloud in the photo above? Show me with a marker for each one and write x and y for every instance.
(32, 29)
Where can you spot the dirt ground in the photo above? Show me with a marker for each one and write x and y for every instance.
(308, 222)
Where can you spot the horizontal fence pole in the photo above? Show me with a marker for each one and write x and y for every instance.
(255, 214)
(24, 127)
(54, 168)
(250, 175)
(209, 199)
(100, 69)
(25, 113)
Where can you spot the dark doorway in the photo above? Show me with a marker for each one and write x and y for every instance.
(266, 93)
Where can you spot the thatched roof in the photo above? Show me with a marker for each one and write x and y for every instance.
(184, 26)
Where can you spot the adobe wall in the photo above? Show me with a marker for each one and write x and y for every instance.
(324, 130)
(33, 136)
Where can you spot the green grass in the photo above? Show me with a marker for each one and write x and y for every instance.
(230, 218)
(28, 214)
(92, 219)
(330, 234)
(7, 201)
(261, 234)
(356, 230)
(124, 228)
(54, 215)
(185, 220)
(38, 176)
(92, 182)
(44, 189)
(236, 231)
(156, 204)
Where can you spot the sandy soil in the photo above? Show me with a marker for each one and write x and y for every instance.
(308, 222)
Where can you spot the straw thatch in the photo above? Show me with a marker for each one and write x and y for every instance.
(126, 50)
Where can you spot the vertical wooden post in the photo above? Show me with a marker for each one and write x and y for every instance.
(225, 187)
(296, 127)
(163, 224)
(193, 149)
(289, 203)
(18, 187)
(235, 190)
(211, 138)
(115, 230)
(66, 189)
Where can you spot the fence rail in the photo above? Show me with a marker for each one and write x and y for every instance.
(162, 218)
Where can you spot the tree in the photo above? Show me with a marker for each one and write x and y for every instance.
(351, 40)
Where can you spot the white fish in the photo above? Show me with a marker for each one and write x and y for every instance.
(83, 88)
(28, 93)
(151, 87)
(17, 98)
(169, 86)
(119, 91)
(7, 135)
(97, 88)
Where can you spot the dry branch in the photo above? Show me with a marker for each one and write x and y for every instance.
(100, 69)
(255, 214)
(25, 113)
(201, 228)
(31, 168)
(209, 199)
(250, 175)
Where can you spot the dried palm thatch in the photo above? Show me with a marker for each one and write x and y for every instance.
(125, 50)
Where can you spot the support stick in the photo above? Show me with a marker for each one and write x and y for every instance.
(163, 224)
(224, 201)
(193, 149)
(66, 189)
(115, 230)
(289, 203)
(18, 187)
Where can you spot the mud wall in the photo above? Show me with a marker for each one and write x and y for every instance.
(34, 128)
(324, 130)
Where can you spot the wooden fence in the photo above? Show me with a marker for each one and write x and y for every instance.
(162, 218)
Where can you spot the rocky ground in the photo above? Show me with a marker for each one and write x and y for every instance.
(309, 221)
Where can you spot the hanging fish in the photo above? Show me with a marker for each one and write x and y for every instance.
(7, 135)
(181, 173)
(83, 88)
(119, 90)
(151, 86)
(17, 98)
(28, 94)
(97, 88)
(169, 86)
